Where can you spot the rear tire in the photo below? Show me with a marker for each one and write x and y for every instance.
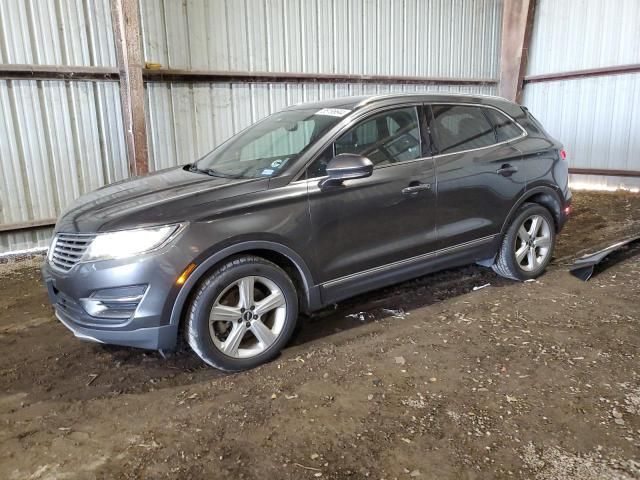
(242, 314)
(528, 245)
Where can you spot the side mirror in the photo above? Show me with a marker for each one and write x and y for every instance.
(347, 166)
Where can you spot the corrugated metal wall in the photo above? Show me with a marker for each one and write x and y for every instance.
(582, 34)
(457, 39)
(597, 118)
(60, 139)
(57, 32)
(185, 121)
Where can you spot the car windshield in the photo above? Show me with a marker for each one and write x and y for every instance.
(267, 148)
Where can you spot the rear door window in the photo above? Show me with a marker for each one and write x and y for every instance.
(460, 127)
(506, 129)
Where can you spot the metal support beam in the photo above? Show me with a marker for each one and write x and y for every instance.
(605, 172)
(212, 76)
(517, 24)
(81, 73)
(31, 225)
(591, 72)
(126, 26)
(57, 72)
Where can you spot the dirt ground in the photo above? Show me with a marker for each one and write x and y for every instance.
(428, 379)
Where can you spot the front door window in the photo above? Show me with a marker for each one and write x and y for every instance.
(386, 138)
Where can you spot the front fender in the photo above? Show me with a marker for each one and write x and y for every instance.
(310, 290)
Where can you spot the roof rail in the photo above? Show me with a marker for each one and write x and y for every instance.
(382, 96)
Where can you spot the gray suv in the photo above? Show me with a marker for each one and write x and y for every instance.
(312, 205)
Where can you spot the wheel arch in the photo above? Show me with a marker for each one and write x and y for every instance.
(542, 195)
(281, 255)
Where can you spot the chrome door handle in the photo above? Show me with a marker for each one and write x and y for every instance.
(414, 189)
(507, 170)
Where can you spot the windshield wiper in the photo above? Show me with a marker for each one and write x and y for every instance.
(211, 172)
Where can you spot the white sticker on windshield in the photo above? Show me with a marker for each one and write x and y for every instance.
(333, 112)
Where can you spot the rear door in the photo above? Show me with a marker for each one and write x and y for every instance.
(479, 172)
(373, 222)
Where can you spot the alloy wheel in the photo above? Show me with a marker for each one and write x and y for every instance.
(247, 317)
(533, 243)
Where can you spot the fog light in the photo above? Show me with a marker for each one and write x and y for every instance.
(114, 303)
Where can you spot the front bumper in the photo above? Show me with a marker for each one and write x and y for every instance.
(152, 338)
(149, 327)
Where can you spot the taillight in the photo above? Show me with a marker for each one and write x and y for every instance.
(563, 154)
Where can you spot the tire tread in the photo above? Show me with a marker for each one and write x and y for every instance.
(503, 265)
(190, 333)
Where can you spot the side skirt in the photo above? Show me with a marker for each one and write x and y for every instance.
(458, 255)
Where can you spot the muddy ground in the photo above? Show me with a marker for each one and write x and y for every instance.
(428, 379)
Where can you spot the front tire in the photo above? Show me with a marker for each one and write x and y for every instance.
(528, 245)
(242, 314)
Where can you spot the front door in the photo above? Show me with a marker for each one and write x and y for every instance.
(372, 223)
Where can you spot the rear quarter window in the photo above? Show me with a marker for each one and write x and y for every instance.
(506, 129)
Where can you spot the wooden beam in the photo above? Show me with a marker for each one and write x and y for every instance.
(517, 24)
(126, 25)
(211, 76)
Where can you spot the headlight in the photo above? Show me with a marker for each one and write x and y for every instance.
(50, 249)
(127, 243)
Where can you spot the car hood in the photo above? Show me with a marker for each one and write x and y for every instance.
(167, 196)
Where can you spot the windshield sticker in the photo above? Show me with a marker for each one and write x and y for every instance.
(267, 171)
(277, 163)
(333, 112)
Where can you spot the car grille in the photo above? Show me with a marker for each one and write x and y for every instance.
(68, 249)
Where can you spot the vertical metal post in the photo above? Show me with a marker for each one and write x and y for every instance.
(126, 25)
(517, 24)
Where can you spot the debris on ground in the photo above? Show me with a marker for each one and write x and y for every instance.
(362, 316)
(399, 313)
